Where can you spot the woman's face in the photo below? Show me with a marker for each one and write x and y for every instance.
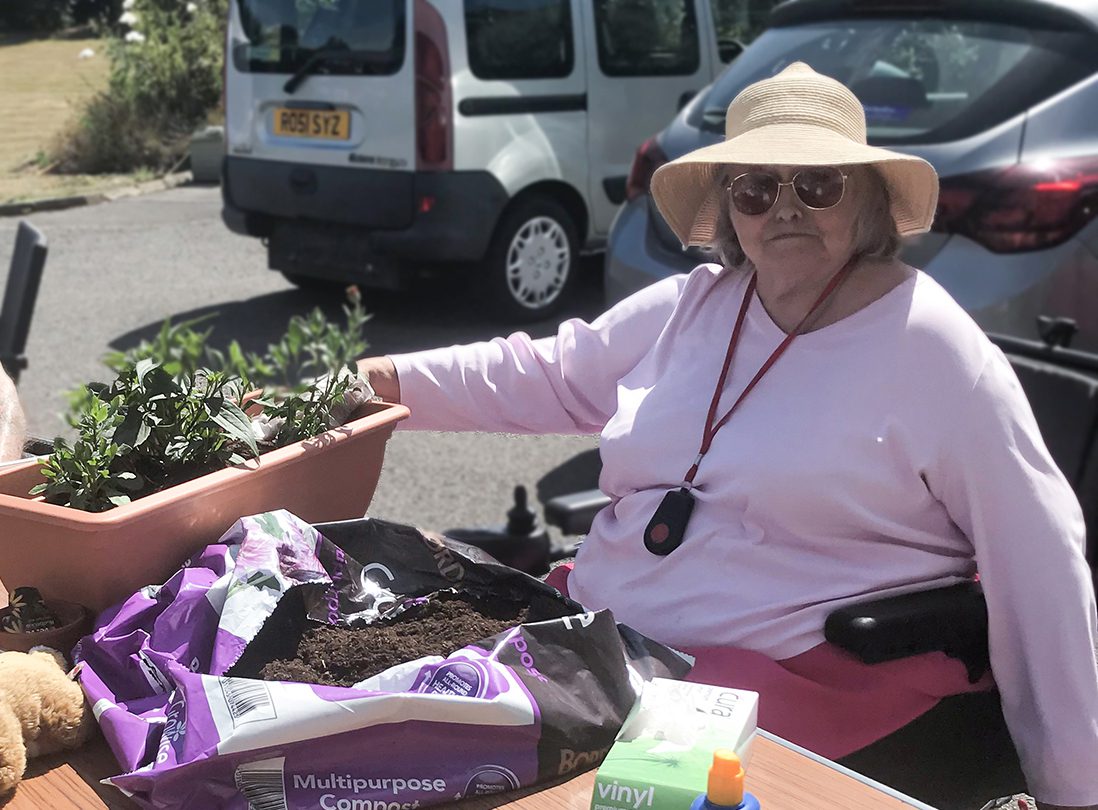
(792, 234)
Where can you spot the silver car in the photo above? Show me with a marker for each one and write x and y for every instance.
(1001, 96)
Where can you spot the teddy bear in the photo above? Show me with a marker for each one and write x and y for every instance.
(42, 711)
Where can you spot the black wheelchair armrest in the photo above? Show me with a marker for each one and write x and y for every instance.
(572, 514)
(951, 619)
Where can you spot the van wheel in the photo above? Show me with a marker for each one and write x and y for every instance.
(531, 263)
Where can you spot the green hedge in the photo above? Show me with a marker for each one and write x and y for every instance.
(161, 88)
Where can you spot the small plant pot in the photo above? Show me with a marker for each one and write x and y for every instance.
(76, 622)
(99, 559)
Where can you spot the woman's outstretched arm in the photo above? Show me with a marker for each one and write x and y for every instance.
(566, 383)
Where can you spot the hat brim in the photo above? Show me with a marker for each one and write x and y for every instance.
(683, 189)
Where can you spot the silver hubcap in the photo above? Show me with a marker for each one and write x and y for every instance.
(538, 261)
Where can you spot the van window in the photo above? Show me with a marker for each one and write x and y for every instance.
(737, 22)
(519, 39)
(283, 34)
(647, 37)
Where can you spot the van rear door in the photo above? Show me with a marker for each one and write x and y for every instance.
(519, 82)
(644, 62)
(323, 91)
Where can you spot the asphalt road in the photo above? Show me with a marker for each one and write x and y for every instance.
(116, 270)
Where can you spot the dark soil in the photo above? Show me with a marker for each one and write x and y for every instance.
(157, 481)
(341, 656)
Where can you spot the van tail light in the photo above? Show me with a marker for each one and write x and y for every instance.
(1026, 207)
(434, 123)
(648, 158)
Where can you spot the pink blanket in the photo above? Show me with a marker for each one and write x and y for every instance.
(825, 699)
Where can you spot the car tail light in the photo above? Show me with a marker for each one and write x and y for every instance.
(648, 158)
(1025, 207)
(434, 127)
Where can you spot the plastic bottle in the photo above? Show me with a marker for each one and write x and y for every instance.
(725, 788)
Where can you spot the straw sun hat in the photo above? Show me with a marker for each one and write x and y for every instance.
(796, 118)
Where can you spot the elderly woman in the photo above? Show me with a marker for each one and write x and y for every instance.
(13, 426)
(807, 425)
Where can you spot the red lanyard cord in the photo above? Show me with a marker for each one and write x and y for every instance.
(711, 429)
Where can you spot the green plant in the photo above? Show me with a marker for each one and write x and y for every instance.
(145, 431)
(81, 475)
(166, 76)
(312, 346)
(177, 348)
(174, 410)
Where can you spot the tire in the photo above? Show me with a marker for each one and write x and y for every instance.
(532, 261)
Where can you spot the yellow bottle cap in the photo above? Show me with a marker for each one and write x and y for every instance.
(725, 778)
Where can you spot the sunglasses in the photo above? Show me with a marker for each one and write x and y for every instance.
(818, 187)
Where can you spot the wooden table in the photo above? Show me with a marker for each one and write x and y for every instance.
(781, 775)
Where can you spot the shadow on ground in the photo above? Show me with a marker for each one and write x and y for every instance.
(579, 473)
(439, 315)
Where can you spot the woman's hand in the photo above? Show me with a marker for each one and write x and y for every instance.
(13, 424)
(382, 375)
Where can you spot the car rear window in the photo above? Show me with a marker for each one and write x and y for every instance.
(920, 81)
(283, 34)
(519, 39)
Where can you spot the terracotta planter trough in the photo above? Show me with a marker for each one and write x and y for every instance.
(98, 559)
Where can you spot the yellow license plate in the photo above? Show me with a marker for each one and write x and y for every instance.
(329, 125)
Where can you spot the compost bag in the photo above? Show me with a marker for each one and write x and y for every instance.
(539, 701)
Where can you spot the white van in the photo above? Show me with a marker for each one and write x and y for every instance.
(378, 141)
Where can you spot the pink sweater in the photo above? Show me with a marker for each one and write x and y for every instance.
(891, 451)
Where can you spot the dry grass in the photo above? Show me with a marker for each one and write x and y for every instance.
(43, 86)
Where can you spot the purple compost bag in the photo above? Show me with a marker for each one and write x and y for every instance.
(534, 703)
